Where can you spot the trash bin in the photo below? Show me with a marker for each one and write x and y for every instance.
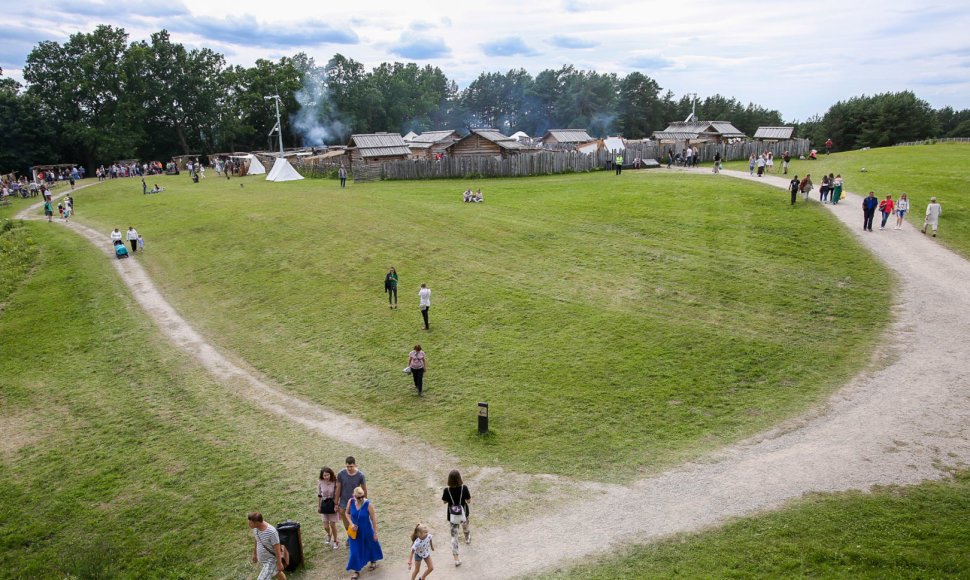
(290, 537)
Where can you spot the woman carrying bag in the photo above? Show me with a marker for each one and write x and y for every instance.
(456, 496)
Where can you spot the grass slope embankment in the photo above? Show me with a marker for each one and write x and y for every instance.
(898, 532)
(616, 325)
(921, 172)
(119, 456)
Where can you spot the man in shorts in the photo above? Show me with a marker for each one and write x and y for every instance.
(266, 548)
(348, 479)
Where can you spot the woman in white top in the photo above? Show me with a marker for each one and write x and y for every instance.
(425, 295)
(902, 206)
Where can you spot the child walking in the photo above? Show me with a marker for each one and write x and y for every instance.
(421, 547)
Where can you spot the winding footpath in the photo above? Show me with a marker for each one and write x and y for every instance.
(901, 421)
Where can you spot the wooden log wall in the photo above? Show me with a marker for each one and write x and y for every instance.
(551, 162)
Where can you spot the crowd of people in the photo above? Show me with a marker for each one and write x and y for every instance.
(343, 497)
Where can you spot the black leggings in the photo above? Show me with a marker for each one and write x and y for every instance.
(389, 291)
(424, 314)
(418, 376)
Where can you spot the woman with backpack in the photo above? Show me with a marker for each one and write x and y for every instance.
(456, 496)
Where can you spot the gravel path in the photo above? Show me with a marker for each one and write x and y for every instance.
(902, 421)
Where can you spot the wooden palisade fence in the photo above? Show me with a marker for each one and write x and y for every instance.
(550, 162)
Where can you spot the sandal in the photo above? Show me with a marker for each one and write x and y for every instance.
(372, 567)
(355, 576)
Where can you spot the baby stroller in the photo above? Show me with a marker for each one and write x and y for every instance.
(120, 250)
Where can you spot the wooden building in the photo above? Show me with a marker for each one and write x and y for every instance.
(377, 148)
(484, 143)
(774, 134)
(431, 143)
(564, 138)
(688, 133)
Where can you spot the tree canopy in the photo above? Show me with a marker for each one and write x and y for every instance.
(98, 98)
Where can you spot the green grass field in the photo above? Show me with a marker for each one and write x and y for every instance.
(921, 172)
(683, 312)
(902, 533)
(616, 326)
(119, 457)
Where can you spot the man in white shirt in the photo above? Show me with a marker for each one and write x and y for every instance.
(425, 295)
(933, 213)
(133, 239)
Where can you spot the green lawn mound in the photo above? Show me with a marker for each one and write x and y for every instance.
(898, 532)
(614, 325)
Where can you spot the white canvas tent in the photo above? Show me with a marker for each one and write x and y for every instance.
(255, 167)
(282, 171)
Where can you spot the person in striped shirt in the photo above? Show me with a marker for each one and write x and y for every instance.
(266, 548)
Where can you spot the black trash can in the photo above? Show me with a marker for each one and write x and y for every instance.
(290, 537)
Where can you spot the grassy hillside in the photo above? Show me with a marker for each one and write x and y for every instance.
(899, 532)
(615, 325)
(119, 457)
(921, 172)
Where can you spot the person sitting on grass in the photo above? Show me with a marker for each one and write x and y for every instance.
(468, 195)
(478, 197)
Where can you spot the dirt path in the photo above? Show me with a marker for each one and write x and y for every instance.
(899, 422)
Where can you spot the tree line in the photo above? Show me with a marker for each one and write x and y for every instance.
(98, 98)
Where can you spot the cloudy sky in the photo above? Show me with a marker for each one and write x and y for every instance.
(797, 57)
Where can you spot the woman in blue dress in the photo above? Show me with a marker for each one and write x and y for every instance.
(364, 548)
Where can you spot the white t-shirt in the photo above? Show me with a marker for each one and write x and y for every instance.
(132, 235)
(115, 236)
(425, 295)
(422, 547)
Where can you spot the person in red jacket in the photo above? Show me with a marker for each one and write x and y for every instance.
(886, 207)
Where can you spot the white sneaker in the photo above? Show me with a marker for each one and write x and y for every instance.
(336, 545)
(457, 563)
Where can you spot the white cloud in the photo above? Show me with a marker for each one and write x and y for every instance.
(800, 57)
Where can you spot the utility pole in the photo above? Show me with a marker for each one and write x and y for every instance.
(277, 128)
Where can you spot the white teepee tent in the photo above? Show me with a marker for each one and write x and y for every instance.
(282, 171)
(255, 167)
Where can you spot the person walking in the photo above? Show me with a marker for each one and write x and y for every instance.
(364, 546)
(327, 504)
(422, 544)
(902, 206)
(390, 286)
(418, 363)
(770, 163)
(751, 164)
(823, 189)
(886, 207)
(793, 186)
(869, 205)
(132, 237)
(342, 172)
(806, 186)
(144, 187)
(49, 211)
(266, 548)
(717, 162)
(348, 479)
(456, 497)
(933, 213)
(424, 295)
(837, 189)
(115, 236)
(785, 161)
